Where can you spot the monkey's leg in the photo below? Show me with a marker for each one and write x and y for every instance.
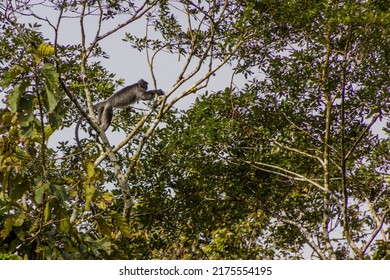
(105, 117)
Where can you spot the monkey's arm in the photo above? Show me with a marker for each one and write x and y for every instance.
(147, 95)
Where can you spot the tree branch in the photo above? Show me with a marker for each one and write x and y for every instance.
(308, 238)
(284, 173)
(298, 151)
(326, 151)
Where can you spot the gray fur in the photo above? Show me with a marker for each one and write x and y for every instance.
(122, 98)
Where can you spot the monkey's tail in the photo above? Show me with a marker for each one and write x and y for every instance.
(76, 131)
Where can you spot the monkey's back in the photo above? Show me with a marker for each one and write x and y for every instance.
(124, 97)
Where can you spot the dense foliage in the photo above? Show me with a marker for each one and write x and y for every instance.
(292, 162)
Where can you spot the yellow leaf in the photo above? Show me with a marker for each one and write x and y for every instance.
(89, 192)
(47, 213)
(45, 50)
(90, 170)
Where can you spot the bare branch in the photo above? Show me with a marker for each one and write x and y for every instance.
(375, 233)
(308, 238)
(298, 151)
(138, 14)
(284, 173)
(374, 119)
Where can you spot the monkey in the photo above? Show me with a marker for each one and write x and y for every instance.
(120, 99)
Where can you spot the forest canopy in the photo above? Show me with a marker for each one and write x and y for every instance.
(287, 159)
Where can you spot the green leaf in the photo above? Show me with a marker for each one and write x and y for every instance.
(59, 193)
(51, 75)
(19, 220)
(51, 98)
(26, 109)
(16, 94)
(40, 191)
(34, 226)
(26, 131)
(14, 98)
(12, 73)
(48, 131)
(120, 222)
(18, 189)
(64, 223)
(102, 244)
(103, 227)
(8, 256)
(8, 224)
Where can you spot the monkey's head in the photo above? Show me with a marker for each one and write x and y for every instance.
(143, 84)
